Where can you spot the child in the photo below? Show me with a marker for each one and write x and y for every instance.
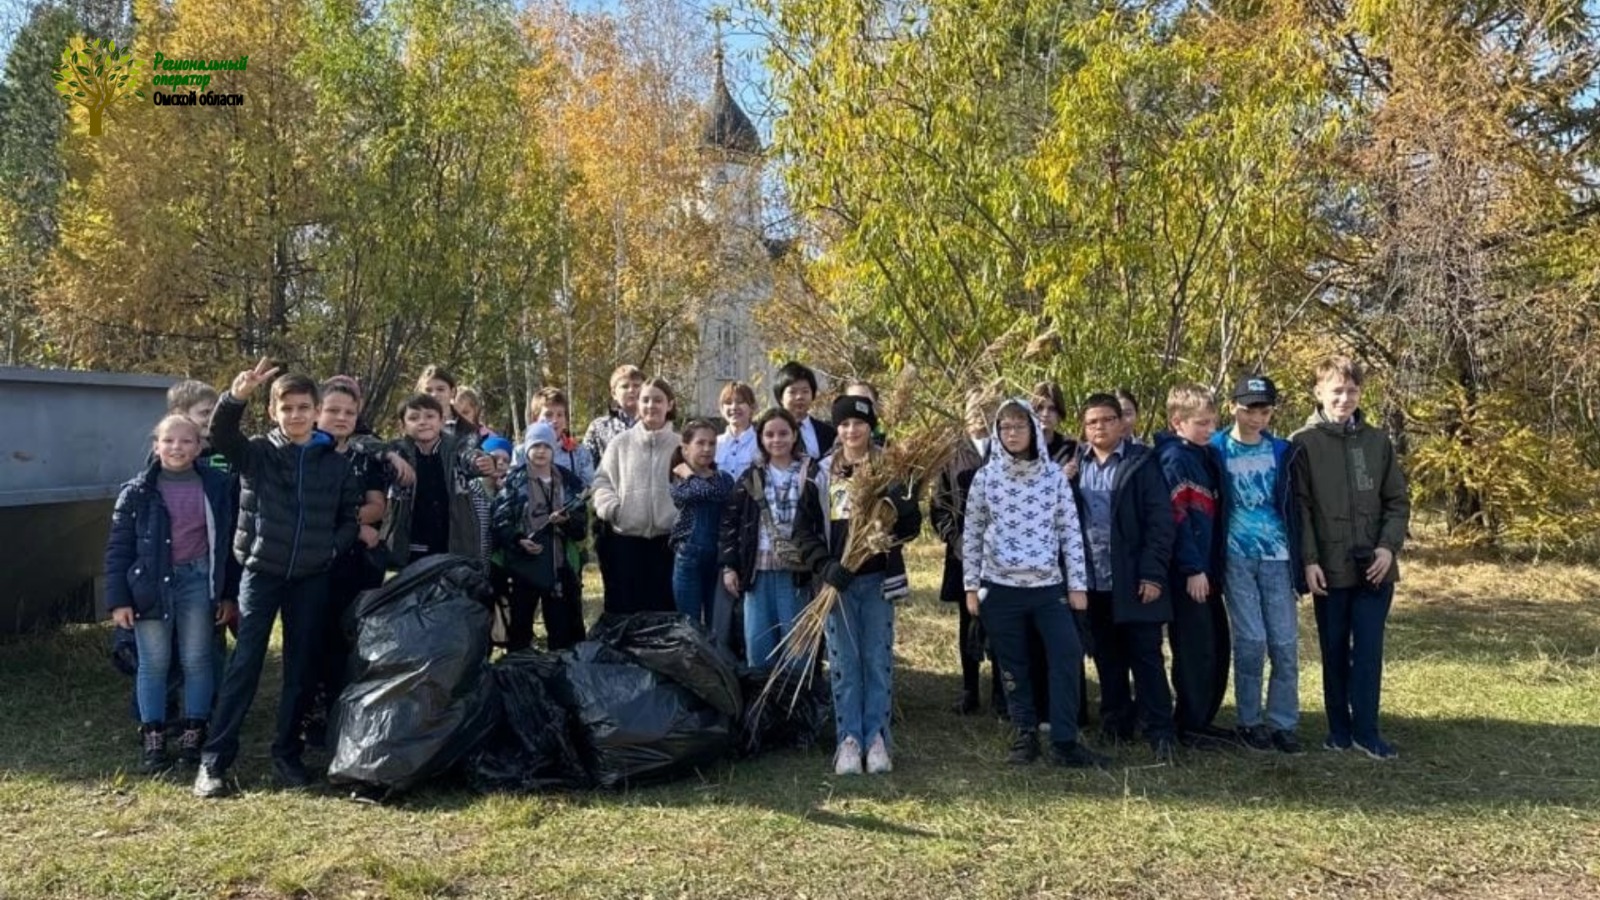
(440, 384)
(948, 515)
(626, 383)
(795, 390)
(539, 519)
(1130, 414)
(195, 401)
(736, 447)
(1022, 550)
(360, 568)
(760, 558)
(860, 628)
(440, 513)
(857, 387)
(297, 515)
(1199, 631)
(633, 494)
(469, 409)
(1354, 510)
(1262, 559)
(1128, 531)
(1049, 405)
(166, 563)
(699, 491)
(549, 405)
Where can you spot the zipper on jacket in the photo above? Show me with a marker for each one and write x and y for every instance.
(300, 510)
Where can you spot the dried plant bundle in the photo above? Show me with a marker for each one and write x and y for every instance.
(907, 465)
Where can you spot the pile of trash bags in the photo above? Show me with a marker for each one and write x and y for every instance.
(647, 698)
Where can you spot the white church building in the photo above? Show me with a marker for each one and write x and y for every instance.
(731, 347)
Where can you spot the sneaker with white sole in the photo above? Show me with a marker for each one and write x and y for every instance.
(847, 759)
(1377, 748)
(878, 757)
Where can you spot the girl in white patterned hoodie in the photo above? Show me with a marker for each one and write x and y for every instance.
(1023, 568)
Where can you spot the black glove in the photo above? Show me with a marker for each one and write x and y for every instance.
(838, 577)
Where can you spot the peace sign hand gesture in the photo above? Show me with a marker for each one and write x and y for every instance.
(245, 383)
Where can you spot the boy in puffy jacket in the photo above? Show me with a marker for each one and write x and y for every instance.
(297, 514)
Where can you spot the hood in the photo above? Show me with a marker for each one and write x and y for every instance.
(1163, 439)
(999, 456)
(319, 438)
(1318, 419)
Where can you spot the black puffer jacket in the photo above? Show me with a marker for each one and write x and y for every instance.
(739, 538)
(297, 502)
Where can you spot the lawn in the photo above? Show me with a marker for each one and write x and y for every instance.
(1492, 695)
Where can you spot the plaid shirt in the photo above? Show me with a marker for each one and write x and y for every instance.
(783, 498)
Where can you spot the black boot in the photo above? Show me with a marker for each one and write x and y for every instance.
(190, 740)
(1025, 748)
(154, 759)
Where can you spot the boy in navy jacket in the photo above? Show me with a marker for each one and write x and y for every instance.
(1128, 530)
(1199, 630)
(297, 514)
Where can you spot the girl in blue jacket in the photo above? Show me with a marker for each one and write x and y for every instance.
(165, 564)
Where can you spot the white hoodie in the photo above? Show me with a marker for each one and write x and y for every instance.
(1021, 519)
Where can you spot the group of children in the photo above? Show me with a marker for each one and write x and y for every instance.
(1202, 529)
(1055, 549)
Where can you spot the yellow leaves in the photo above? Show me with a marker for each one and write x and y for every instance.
(1533, 486)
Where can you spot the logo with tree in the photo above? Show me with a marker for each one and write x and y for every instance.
(93, 76)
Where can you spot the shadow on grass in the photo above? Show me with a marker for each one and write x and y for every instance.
(1501, 630)
(67, 712)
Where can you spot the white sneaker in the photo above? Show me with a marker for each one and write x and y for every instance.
(878, 757)
(847, 760)
(1044, 727)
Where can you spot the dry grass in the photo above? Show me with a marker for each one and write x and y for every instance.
(1491, 694)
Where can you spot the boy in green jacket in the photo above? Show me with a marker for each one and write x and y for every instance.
(1354, 509)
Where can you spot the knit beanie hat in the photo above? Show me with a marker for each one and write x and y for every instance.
(848, 407)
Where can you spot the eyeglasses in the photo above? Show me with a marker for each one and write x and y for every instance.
(1014, 427)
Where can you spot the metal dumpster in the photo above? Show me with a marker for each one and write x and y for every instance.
(68, 440)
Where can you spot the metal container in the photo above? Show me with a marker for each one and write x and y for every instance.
(68, 441)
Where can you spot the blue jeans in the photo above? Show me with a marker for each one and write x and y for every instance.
(261, 597)
(189, 615)
(771, 605)
(1262, 606)
(1350, 624)
(694, 582)
(1012, 616)
(860, 635)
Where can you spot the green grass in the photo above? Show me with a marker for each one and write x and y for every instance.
(1492, 693)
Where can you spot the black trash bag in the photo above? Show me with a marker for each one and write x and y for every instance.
(637, 725)
(783, 719)
(420, 695)
(673, 647)
(534, 747)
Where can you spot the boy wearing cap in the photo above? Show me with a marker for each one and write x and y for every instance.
(1260, 568)
(538, 521)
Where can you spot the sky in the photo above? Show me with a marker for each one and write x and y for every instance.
(744, 47)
